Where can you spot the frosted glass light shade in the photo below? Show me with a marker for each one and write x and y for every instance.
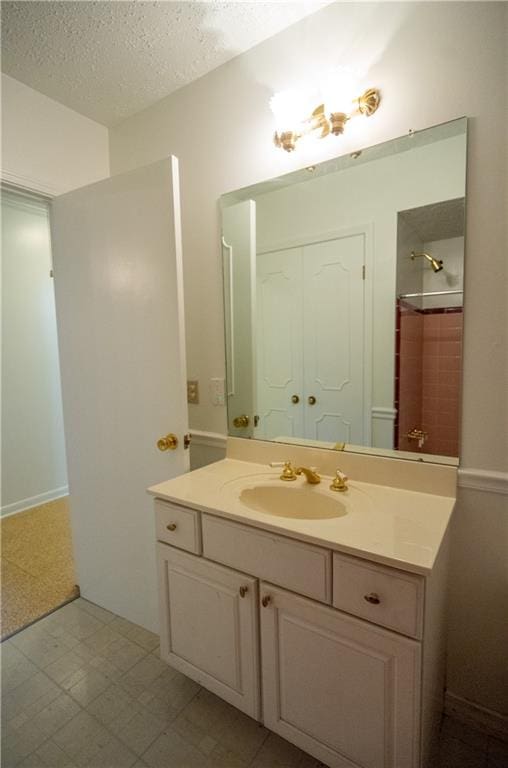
(287, 109)
(338, 90)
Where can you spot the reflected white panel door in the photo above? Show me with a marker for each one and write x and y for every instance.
(279, 359)
(334, 339)
(118, 284)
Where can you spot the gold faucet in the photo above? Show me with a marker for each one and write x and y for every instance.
(311, 475)
(339, 482)
(288, 473)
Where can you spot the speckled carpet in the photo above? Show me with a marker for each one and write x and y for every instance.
(37, 566)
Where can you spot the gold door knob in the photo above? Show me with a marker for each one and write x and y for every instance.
(295, 399)
(311, 400)
(171, 526)
(240, 422)
(243, 591)
(372, 598)
(167, 443)
(266, 600)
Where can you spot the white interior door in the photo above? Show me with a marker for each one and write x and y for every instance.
(333, 276)
(279, 358)
(118, 285)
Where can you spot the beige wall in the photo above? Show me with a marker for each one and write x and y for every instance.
(47, 146)
(433, 62)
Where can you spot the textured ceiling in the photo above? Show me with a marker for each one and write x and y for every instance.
(437, 221)
(108, 60)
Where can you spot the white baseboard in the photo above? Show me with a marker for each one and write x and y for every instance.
(211, 439)
(483, 480)
(34, 501)
(476, 716)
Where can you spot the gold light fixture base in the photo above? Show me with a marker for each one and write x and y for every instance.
(369, 102)
(287, 140)
(338, 121)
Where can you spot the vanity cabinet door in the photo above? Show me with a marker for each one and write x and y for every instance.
(209, 626)
(339, 688)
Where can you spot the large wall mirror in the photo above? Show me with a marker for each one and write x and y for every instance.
(343, 300)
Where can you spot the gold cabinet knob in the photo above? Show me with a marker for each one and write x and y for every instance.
(167, 443)
(266, 600)
(372, 598)
(311, 400)
(243, 591)
(240, 422)
(295, 399)
(171, 526)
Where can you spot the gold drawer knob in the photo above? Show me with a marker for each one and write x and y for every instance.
(311, 400)
(266, 600)
(372, 598)
(171, 526)
(243, 591)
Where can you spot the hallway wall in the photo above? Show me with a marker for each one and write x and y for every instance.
(33, 446)
(47, 146)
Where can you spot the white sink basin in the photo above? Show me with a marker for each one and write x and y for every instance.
(301, 502)
(297, 499)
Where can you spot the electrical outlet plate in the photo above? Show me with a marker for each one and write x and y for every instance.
(193, 392)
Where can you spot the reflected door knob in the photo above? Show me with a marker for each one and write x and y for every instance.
(311, 400)
(167, 443)
(240, 422)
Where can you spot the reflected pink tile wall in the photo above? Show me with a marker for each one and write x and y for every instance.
(442, 356)
(427, 386)
(408, 385)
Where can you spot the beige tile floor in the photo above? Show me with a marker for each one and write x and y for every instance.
(83, 687)
(37, 565)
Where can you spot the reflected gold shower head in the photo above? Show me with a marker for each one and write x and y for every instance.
(436, 264)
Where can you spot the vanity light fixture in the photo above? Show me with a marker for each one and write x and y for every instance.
(340, 104)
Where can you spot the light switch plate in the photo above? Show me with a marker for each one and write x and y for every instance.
(193, 392)
(217, 391)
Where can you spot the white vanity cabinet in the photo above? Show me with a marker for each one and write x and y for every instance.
(209, 626)
(341, 689)
(350, 674)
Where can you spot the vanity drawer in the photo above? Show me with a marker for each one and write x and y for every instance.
(300, 567)
(400, 594)
(178, 526)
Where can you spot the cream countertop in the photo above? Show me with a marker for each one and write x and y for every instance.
(393, 526)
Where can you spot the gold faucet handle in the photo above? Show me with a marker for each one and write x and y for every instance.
(339, 482)
(288, 473)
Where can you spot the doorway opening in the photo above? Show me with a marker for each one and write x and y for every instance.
(37, 556)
